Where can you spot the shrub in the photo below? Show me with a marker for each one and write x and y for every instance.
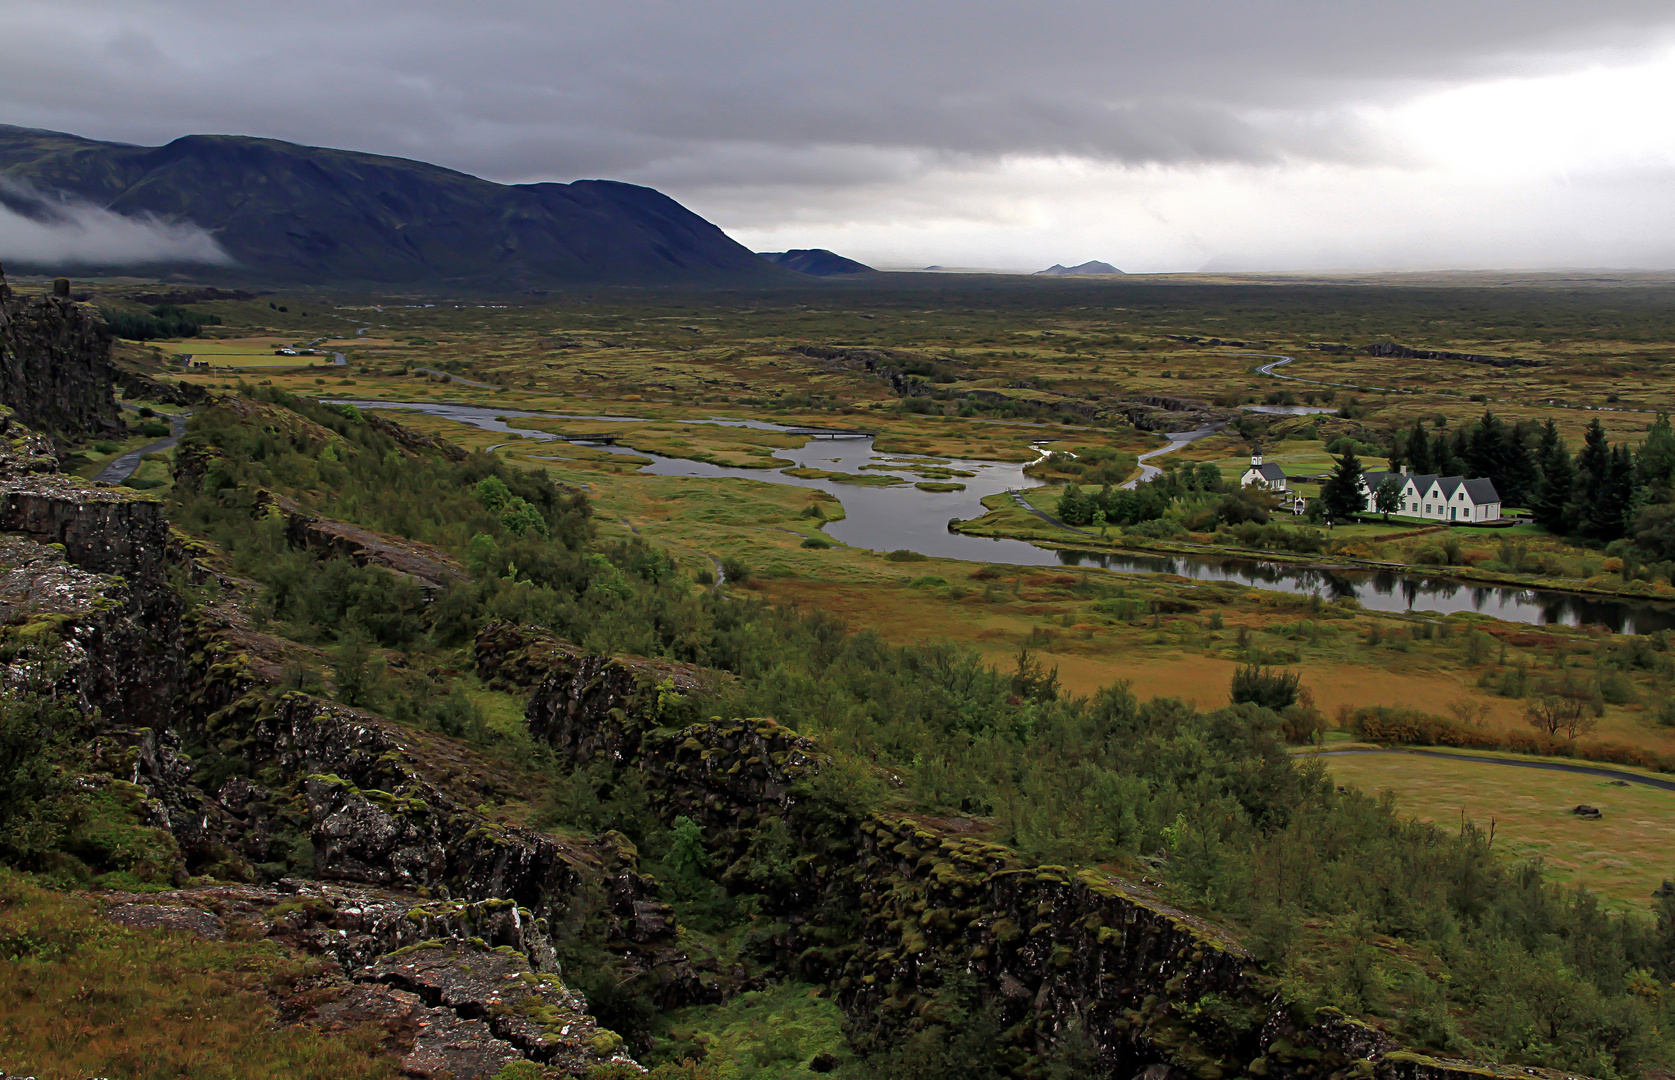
(816, 543)
(1157, 529)
(1256, 685)
(154, 430)
(904, 555)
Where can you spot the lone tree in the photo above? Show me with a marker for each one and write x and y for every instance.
(1556, 712)
(1387, 497)
(1341, 493)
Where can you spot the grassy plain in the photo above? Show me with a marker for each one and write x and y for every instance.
(1621, 856)
(1005, 365)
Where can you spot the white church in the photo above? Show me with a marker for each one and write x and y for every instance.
(1267, 477)
(1440, 498)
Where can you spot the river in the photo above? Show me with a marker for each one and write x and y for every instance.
(903, 517)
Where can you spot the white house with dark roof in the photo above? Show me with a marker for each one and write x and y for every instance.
(1267, 477)
(1440, 498)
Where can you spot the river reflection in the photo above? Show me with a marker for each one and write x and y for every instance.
(903, 517)
(1386, 590)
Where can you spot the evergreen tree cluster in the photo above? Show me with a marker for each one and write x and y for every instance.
(1147, 502)
(1505, 453)
(1602, 493)
(162, 321)
(1117, 507)
(1608, 493)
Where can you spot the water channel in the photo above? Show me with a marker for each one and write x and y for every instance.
(892, 518)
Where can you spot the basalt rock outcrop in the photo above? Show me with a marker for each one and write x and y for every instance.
(91, 564)
(140, 386)
(422, 564)
(1404, 352)
(453, 984)
(883, 909)
(55, 365)
(417, 892)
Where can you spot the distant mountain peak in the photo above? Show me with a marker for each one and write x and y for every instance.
(1092, 266)
(290, 214)
(817, 262)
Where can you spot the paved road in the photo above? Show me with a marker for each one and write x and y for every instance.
(1177, 440)
(126, 465)
(458, 379)
(1552, 766)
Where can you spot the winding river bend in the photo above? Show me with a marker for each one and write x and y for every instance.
(892, 518)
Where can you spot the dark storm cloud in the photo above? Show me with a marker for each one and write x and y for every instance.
(823, 94)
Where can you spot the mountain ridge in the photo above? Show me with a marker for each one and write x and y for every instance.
(293, 214)
(1092, 266)
(816, 262)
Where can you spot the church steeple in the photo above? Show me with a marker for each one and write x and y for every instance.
(1255, 456)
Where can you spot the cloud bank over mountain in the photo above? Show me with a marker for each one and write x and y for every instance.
(40, 228)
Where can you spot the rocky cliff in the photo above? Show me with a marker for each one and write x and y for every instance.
(884, 909)
(438, 919)
(55, 366)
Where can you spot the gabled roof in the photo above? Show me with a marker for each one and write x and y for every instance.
(1479, 490)
(1268, 471)
(1482, 491)
(1374, 477)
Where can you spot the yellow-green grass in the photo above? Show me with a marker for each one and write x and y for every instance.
(80, 996)
(240, 352)
(1622, 857)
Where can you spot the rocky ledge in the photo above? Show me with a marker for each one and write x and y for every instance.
(883, 908)
(452, 984)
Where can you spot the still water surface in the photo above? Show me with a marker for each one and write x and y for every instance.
(892, 518)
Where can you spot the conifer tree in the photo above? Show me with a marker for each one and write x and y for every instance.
(1417, 449)
(1621, 502)
(1654, 466)
(1520, 484)
(1551, 506)
(1595, 507)
(1342, 493)
(1073, 507)
(1485, 448)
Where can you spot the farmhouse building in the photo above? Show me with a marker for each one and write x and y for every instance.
(1440, 498)
(1267, 477)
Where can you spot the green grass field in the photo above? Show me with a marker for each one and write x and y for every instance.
(1623, 856)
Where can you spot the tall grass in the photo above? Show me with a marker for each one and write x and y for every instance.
(80, 996)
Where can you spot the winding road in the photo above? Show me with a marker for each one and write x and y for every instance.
(1177, 439)
(128, 464)
(1552, 766)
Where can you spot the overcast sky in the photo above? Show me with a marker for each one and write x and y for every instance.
(1239, 134)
